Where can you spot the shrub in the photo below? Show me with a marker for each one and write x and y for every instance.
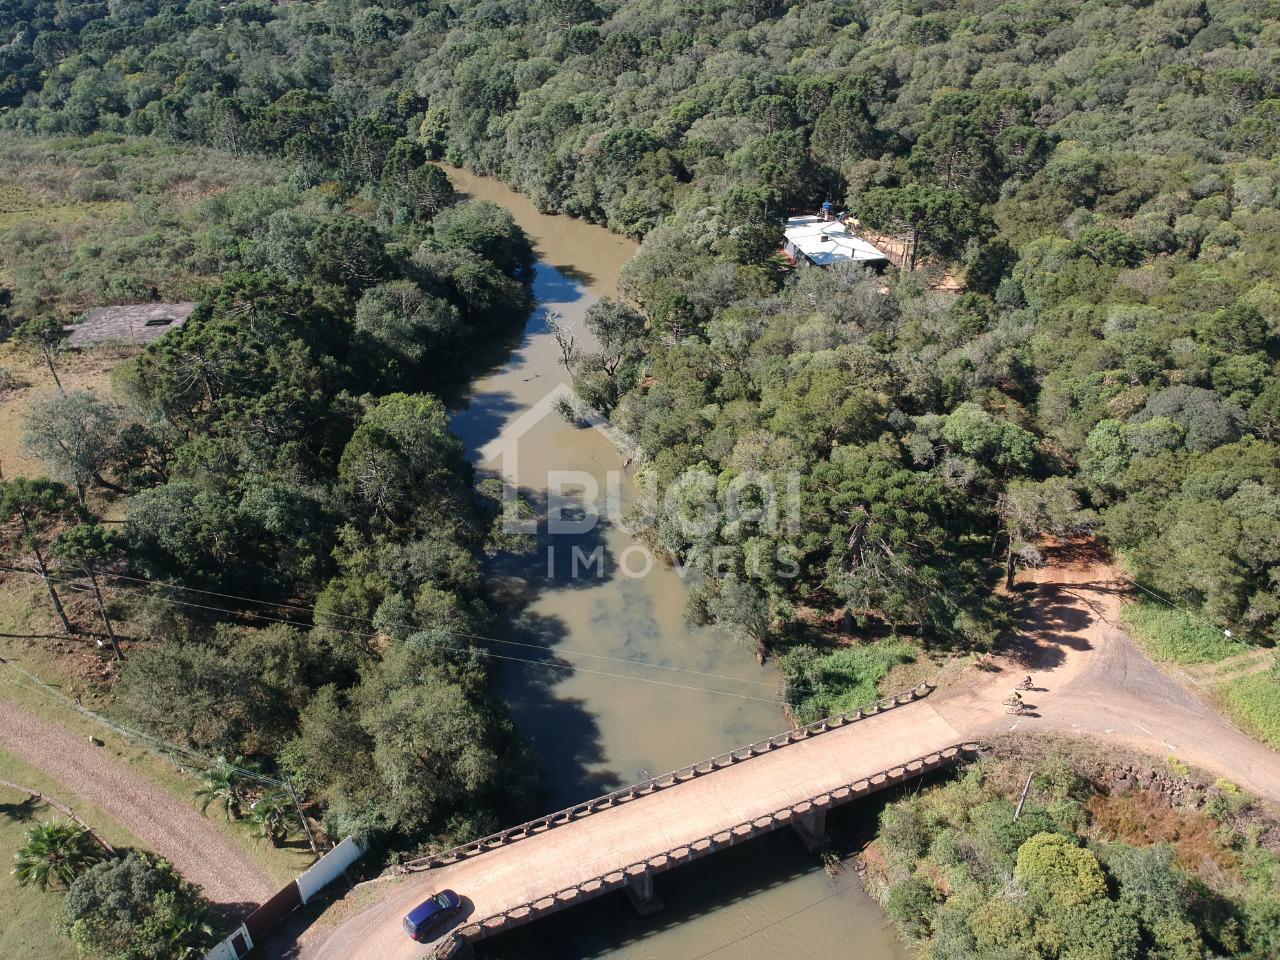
(903, 831)
(999, 922)
(999, 837)
(819, 685)
(55, 854)
(136, 908)
(911, 903)
(1052, 867)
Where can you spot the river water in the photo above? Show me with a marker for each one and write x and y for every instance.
(602, 672)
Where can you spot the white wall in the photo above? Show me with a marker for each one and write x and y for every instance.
(328, 867)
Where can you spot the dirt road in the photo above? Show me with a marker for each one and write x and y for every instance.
(577, 852)
(1092, 679)
(198, 848)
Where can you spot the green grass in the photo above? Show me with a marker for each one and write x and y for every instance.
(1171, 636)
(92, 220)
(27, 929)
(1254, 702)
(820, 684)
(280, 863)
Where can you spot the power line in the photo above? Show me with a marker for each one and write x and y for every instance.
(408, 626)
(620, 676)
(163, 746)
(461, 648)
(771, 925)
(1181, 609)
(39, 686)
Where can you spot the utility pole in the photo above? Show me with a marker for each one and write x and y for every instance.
(102, 609)
(1022, 799)
(301, 816)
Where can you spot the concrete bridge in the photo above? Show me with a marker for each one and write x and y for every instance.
(621, 841)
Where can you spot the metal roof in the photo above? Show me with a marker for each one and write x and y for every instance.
(806, 235)
(128, 323)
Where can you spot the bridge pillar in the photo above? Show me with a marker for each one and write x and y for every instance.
(638, 886)
(811, 828)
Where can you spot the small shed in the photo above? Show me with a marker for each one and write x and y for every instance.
(823, 242)
(138, 323)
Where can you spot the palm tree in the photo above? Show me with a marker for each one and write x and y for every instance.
(55, 853)
(187, 932)
(223, 785)
(273, 817)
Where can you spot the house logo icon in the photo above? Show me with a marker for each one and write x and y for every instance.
(503, 451)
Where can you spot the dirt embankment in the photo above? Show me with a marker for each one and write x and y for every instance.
(1090, 678)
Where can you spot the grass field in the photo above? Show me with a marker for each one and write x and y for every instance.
(27, 929)
(1234, 675)
(1170, 636)
(80, 227)
(1254, 701)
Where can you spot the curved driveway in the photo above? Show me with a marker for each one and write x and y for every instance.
(198, 848)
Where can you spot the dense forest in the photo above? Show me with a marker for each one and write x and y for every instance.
(282, 465)
(1105, 871)
(1099, 177)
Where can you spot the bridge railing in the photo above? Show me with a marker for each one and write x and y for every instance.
(552, 902)
(653, 784)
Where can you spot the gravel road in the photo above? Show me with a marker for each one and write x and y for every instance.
(1093, 680)
(198, 848)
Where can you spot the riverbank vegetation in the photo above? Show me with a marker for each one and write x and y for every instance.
(1098, 177)
(296, 579)
(1110, 365)
(1107, 858)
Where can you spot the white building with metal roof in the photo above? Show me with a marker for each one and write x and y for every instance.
(825, 242)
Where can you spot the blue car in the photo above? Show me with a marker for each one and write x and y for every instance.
(427, 918)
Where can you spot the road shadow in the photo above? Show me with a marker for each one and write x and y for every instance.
(1052, 619)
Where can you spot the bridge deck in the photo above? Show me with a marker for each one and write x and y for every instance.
(608, 841)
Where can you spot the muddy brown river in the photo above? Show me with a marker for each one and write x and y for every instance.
(605, 677)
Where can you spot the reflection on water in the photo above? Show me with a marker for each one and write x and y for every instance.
(606, 678)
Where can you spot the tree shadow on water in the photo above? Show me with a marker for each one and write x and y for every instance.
(480, 422)
(563, 732)
(577, 560)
